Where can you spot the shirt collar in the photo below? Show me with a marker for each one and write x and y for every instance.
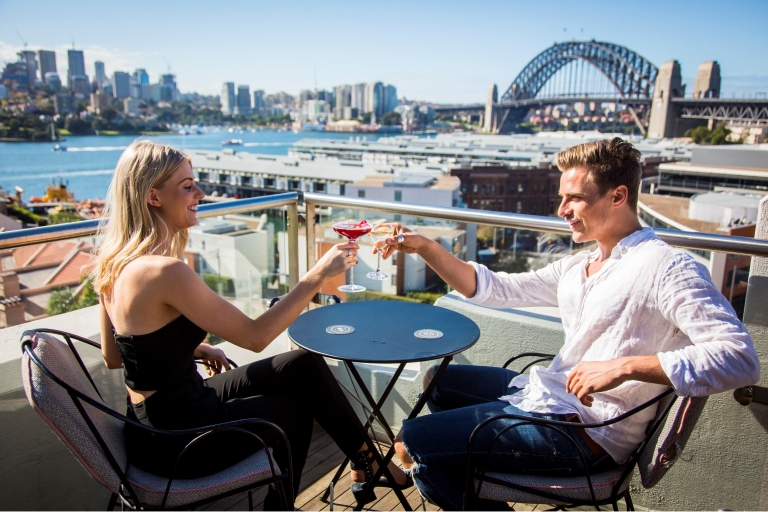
(633, 240)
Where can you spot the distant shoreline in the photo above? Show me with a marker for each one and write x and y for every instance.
(116, 134)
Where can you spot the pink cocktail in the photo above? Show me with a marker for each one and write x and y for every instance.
(351, 229)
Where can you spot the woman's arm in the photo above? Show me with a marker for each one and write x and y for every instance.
(109, 350)
(181, 288)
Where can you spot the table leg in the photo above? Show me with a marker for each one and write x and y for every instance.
(430, 387)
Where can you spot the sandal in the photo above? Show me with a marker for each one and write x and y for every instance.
(363, 461)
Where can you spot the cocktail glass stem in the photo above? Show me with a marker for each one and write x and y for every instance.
(352, 269)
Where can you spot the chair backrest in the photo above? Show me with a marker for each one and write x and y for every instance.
(53, 402)
(667, 443)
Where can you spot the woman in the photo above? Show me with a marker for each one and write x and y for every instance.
(156, 312)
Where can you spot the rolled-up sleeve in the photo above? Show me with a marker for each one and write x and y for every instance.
(502, 290)
(721, 356)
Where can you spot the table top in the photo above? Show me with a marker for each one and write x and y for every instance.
(384, 332)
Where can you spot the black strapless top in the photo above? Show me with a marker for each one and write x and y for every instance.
(163, 359)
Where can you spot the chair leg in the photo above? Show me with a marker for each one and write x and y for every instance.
(628, 501)
(615, 505)
(112, 501)
(250, 500)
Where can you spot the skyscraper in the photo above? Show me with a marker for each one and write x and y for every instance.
(374, 98)
(30, 61)
(121, 85)
(357, 98)
(228, 98)
(76, 62)
(142, 77)
(168, 91)
(390, 98)
(101, 75)
(343, 99)
(243, 105)
(258, 101)
(47, 63)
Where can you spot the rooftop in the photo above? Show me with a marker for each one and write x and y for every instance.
(410, 181)
(676, 210)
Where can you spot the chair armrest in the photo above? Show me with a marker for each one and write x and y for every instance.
(542, 356)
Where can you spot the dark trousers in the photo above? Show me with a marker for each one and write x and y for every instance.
(291, 390)
(463, 398)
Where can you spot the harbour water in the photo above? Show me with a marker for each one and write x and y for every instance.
(89, 161)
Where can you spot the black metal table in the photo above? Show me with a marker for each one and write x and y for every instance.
(384, 332)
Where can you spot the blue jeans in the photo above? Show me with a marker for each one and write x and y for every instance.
(463, 398)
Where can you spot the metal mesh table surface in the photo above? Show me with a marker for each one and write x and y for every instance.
(383, 332)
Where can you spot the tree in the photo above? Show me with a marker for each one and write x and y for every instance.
(366, 118)
(391, 119)
(77, 126)
(63, 300)
(108, 113)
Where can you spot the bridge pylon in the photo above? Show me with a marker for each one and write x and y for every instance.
(490, 124)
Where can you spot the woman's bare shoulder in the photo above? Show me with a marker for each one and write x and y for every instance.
(152, 267)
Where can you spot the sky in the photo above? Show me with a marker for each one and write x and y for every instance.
(440, 51)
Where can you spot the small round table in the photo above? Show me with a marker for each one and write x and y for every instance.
(384, 332)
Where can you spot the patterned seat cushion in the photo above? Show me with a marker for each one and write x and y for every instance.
(151, 488)
(55, 406)
(570, 489)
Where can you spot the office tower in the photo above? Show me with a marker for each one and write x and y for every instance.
(168, 90)
(101, 75)
(121, 85)
(3, 92)
(343, 99)
(258, 101)
(357, 97)
(80, 86)
(53, 81)
(374, 98)
(323, 95)
(390, 98)
(64, 103)
(228, 98)
(76, 62)
(141, 76)
(29, 59)
(47, 63)
(243, 103)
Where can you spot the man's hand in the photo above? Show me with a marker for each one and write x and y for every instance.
(596, 376)
(214, 358)
(412, 241)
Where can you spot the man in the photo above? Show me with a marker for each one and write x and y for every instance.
(638, 316)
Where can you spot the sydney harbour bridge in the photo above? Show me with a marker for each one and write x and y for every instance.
(601, 72)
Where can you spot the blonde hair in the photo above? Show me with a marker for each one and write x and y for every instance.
(131, 228)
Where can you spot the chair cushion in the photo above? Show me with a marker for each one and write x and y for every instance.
(669, 440)
(56, 407)
(570, 488)
(151, 488)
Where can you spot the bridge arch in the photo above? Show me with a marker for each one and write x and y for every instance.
(632, 75)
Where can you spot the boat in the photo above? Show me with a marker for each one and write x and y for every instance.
(232, 142)
(58, 147)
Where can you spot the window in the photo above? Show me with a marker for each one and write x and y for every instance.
(269, 182)
(535, 188)
(398, 195)
(519, 188)
(319, 187)
(294, 184)
(501, 189)
(474, 189)
(519, 207)
(361, 193)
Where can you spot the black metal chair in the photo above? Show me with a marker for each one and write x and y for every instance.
(60, 388)
(665, 439)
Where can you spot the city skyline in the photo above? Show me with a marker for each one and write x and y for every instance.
(445, 53)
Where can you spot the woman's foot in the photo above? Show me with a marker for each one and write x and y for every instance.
(402, 453)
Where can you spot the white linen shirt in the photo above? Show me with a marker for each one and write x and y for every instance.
(649, 298)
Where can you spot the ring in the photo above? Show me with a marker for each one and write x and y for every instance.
(400, 238)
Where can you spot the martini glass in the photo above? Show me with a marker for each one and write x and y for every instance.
(378, 234)
(351, 229)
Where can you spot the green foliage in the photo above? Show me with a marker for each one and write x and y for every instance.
(222, 285)
(25, 215)
(63, 218)
(77, 126)
(391, 119)
(371, 295)
(365, 118)
(424, 297)
(506, 262)
(716, 137)
(63, 300)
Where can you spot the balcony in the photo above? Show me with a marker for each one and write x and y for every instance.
(259, 247)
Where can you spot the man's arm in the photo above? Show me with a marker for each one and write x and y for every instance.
(459, 275)
(596, 376)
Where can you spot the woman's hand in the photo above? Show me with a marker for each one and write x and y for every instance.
(337, 260)
(411, 243)
(214, 358)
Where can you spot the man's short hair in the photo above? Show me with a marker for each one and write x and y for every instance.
(609, 163)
